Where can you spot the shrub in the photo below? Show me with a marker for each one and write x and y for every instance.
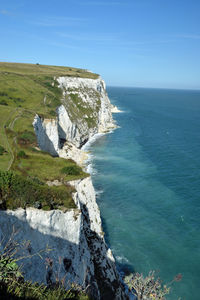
(3, 102)
(53, 113)
(149, 287)
(21, 154)
(3, 94)
(18, 191)
(2, 150)
(71, 170)
(26, 137)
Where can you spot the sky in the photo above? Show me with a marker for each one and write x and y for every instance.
(136, 43)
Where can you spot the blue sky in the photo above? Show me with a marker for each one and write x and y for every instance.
(139, 43)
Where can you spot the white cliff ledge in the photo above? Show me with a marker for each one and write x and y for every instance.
(76, 238)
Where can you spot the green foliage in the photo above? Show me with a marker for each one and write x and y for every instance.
(53, 113)
(18, 191)
(71, 170)
(3, 102)
(26, 137)
(21, 154)
(2, 94)
(2, 150)
(8, 268)
(150, 287)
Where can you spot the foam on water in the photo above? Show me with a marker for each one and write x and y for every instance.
(122, 259)
(98, 193)
(90, 169)
(91, 141)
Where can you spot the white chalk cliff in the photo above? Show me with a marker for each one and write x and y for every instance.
(85, 110)
(75, 237)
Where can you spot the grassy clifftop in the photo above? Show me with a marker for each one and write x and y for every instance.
(25, 90)
(37, 69)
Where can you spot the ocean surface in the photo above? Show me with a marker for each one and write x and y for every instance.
(147, 177)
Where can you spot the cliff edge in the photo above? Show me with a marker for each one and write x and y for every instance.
(71, 239)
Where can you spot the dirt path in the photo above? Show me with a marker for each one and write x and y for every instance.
(10, 126)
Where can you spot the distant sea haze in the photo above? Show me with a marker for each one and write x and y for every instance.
(147, 178)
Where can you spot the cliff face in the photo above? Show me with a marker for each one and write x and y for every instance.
(75, 239)
(78, 249)
(85, 110)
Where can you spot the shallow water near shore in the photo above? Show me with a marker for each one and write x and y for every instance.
(147, 177)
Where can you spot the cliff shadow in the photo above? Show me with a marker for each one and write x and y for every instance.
(46, 257)
(106, 274)
(62, 136)
(43, 140)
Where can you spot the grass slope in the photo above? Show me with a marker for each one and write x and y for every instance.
(25, 90)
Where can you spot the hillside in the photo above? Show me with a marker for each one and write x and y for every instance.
(27, 90)
(46, 114)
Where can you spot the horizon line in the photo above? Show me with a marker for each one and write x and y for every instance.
(154, 88)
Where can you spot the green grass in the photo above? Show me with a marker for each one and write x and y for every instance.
(26, 191)
(35, 69)
(27, 89)
(71, 170)
(49, 167)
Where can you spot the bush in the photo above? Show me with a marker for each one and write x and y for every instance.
(3, 94)
(149, 287)
(3, 102)
(71, 170)
(26, 137)
(21, 154)
(2, 150)
(53, 113)
(18, 191)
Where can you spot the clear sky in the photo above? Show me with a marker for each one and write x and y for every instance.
(140, 43)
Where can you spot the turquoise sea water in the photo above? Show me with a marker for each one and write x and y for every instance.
(147, 177)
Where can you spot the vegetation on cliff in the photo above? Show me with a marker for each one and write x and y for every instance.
(81, 110)
(25, 90)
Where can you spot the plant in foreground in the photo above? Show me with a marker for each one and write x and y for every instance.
(14, 286)
(150, 287)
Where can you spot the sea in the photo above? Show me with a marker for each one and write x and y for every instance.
(146, 174)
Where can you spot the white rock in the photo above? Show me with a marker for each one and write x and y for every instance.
(105, 121)
(66, 129)
(75, 239)
(69, 151)
(60, 232)
(47, 134)
(50, 132)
